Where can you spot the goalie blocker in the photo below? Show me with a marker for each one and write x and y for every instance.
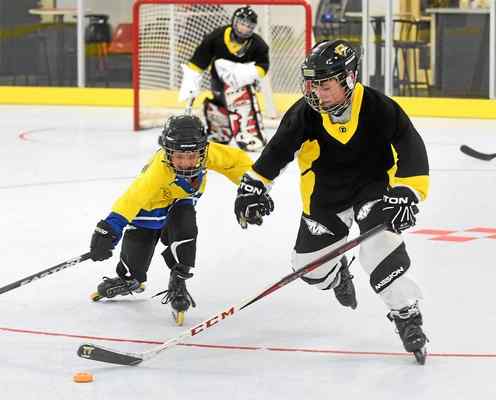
(235, 114)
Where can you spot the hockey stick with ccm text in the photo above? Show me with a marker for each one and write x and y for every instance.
(45, 272)
(100, 353)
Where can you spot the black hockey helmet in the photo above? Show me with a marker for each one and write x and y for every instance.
(330, 60)
(244, 21)
(186, 134)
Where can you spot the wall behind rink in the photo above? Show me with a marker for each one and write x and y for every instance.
(120, 10)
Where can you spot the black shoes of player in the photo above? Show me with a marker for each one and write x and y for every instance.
(111, 287)
(345, 290)
(177, 294)
(408, 322)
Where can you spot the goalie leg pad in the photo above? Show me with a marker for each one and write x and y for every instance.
(218, 123)
(245, 118)
(316, 238)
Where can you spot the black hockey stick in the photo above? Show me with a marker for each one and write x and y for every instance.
(100, 353)
(45, 272)
(469, 151)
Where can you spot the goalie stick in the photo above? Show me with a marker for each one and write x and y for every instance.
(104, 354)
(189, 108)
(45, 272)
(469, 151)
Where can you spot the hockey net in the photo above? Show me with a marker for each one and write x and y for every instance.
(166, 33)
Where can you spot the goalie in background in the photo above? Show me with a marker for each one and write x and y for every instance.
(160, 205)
(238, 59)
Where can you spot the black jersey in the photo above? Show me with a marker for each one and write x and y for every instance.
(218, 44)
(379, 145)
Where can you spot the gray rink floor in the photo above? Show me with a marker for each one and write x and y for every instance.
(61, 170)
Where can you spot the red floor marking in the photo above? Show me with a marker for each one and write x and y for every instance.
(432, 232)
(481, 230)
(78, 336)
(453, 238)
(251, 348)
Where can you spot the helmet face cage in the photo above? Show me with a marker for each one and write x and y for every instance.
(195, 170)
(330, 61)
(244, 22)
(309, 89)
(189, 139)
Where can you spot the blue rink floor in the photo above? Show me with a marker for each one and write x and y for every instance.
(61, 170)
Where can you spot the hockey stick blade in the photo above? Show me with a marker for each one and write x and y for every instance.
(104, 354)
(469, 151)
(100, 353)
(45, 272)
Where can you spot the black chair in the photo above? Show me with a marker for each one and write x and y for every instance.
(98, 36)
(412, 46)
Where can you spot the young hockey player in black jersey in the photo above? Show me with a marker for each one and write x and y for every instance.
(160, 205)
(361, 160)
(238, 60)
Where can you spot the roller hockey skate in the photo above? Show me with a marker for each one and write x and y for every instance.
(177, 294)
(111, 287)
(408, 322)
(345, 290)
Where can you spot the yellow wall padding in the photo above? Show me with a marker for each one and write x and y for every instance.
(414, 106)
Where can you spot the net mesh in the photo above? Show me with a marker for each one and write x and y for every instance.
(168, 34)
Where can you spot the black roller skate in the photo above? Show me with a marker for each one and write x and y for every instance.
(408, 322)
(177, 294)
(111, 287)
(345, 290)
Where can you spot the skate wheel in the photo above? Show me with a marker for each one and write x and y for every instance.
(96, 296)
(178, 317)
(420, 355)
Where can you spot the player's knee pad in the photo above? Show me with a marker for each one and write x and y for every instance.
(180, 235)
(378, 248)
(390, 269)
(314, 240)
(218, 123)
(245, 118)
(137, 250)
(180, 251)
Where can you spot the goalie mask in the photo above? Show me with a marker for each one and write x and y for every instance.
(244, 22)
(330, 61)
(184, 140)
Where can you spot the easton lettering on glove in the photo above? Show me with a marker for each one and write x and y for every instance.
(399, 207)
(252, 202)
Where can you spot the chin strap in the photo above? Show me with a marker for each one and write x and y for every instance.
(343, 117)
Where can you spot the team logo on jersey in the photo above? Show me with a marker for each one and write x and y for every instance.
(166, 194)
(365, 210)
(315, 228)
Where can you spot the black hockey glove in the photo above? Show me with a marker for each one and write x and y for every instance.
(252, 202)
(102, 241)
(399, 208)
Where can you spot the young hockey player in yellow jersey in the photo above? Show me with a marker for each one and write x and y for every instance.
(160, 205)
(362, 160)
